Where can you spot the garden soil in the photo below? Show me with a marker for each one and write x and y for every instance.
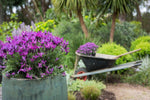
(122, 91)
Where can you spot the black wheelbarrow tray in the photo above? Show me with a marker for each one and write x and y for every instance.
(102, 63)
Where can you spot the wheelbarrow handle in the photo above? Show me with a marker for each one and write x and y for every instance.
(127, 53)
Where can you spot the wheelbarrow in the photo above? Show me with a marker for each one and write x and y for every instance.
(100, 63)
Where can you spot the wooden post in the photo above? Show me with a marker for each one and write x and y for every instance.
(76, 62)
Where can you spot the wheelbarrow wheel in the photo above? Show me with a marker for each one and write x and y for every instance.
(81, 71)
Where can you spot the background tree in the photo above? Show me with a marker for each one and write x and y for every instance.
(75, 6)
(116, 7)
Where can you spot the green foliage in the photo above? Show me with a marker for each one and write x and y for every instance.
(142, 77)
(69, 6)
(114, 49)
(137, 26)
(116, 6)
(71, 96)
(75, 40)
(50, 14)
(145, 49)
(6, 29)
(72, 32)
(68, 28)
(91, 92)
(0, 85)
(77, 85)
(123, 35)
(49, 25)
(138, 41)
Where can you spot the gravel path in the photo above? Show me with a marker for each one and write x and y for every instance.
(124, 91)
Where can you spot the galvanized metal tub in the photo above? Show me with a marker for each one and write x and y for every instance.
(24, 89)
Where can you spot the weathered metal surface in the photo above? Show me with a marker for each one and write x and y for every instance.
(119, 67)
(97, 63)
(0, 93)
(47, 89)
(1, 63)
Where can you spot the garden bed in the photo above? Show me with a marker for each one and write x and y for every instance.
(106, 95)
(122, 91)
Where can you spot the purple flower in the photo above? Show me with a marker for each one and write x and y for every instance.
(3, 67)
(28, 76)
(32, 59)
(24, 58)
(61, 66)
(57, 59)
(51, 70)
(36, 56)
(22, 70)
(7, 74)
(13, 73)
(33, 52)
(40, 54)
(42, 74)
(40, 65)
(29, 68)
(87, 49)
(64, 74)
(43, 62)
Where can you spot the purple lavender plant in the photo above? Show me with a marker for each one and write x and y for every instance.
(87, 49)
(33, 55)
(22, 28)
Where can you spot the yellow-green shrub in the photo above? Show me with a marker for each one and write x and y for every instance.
(6, 29)
(90, 92)
(145, 49)
(138, 41)
(114, 49)
(71, 96)
(49, 25)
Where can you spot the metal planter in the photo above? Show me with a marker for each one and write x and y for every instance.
(24, 89)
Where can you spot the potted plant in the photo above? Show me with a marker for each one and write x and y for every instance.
(87, 49)
(33, 67)
(1, 63)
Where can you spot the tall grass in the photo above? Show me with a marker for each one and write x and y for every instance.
(142, 77)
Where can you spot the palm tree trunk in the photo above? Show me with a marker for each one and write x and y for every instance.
(139, 17)
(83, 26)
(113, 27)
(37, 9)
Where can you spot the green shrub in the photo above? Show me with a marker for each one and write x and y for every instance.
(145, 49)
(65, 28)
(123, 35)
(49, 25)
(71, 96)
(142, 77)
(77, 85)
(91, 92)
(114, 49)
(138, 41)
(6, 29)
